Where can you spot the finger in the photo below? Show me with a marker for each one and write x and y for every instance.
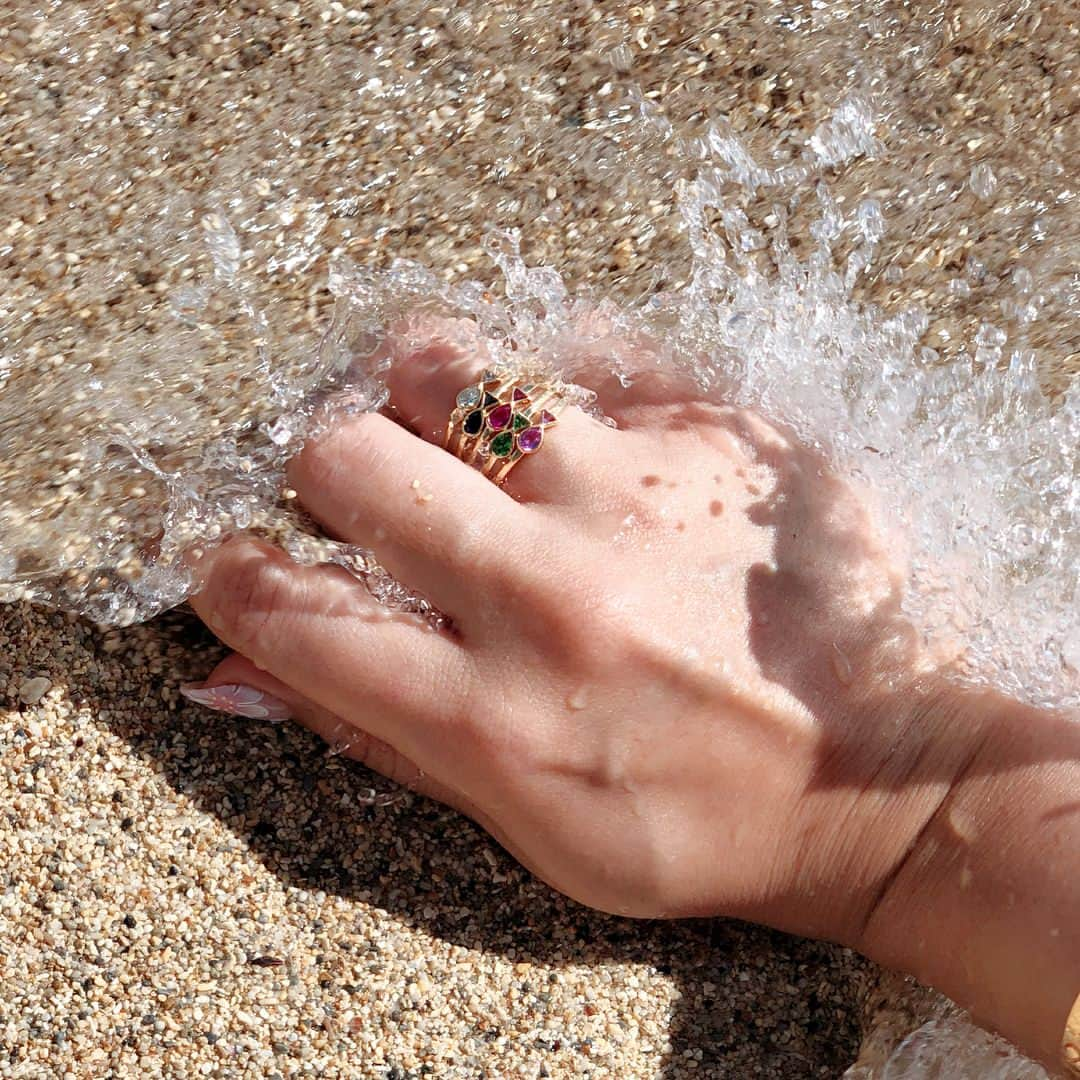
(317, 629)
(237, 687)
(432, 361)
(240, 688)
(434, 523)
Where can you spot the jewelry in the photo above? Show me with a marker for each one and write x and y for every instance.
(501, 419)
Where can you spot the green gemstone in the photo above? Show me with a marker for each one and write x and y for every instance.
(521, 422)
(502, 444)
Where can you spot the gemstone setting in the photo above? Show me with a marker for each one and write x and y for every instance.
(530, 439)
(474, 423)
(503, 444)
(469, 397)
(499, 417)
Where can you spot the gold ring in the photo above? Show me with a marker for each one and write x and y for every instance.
(503, 418)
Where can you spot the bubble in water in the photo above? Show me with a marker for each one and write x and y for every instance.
(622, 57)
(223, 245)
(1070, 650)
(848, 134)
(871, 221)
(371, 797)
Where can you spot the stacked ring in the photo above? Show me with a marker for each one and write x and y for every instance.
(501, 419)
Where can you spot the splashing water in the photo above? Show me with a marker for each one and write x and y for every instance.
(950, 1049)
(967, 454)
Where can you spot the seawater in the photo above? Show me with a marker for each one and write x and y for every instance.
(968, 456)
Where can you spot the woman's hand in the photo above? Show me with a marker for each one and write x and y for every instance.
(677, 680)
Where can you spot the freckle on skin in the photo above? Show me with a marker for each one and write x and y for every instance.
(681, 526)
(740, 473)
(753, 489)
(716, 508)
(650, 481)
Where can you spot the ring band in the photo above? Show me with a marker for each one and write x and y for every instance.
(503, 418)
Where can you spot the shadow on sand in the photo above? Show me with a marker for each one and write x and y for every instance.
(752, 1001)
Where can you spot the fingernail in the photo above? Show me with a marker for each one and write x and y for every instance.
(238, 700)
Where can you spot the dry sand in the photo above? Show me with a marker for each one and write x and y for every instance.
(183, 895)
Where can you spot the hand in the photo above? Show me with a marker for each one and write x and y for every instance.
(677, 680)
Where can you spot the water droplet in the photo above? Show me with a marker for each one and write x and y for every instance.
(1070, 650)
(339, 742)
(841, 666)
(381, 798)
(579, 699)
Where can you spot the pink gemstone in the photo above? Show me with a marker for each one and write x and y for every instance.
(530, 439)
(519, 394)
(499, 417)
(546, 418)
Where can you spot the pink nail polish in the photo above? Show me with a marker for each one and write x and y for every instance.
(237, 700)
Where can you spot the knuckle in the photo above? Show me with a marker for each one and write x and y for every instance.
(344, 450)
(471, 545)
(583, 610)
(499, 744)
(482, 544)
(483, 714)
(251, 602)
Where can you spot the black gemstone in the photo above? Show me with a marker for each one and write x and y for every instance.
(474, 423)
(489, 400)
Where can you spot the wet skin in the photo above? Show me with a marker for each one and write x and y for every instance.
(675, 679)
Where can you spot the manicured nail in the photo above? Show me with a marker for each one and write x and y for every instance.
(238, 700)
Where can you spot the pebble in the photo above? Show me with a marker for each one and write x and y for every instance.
(31, 691)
